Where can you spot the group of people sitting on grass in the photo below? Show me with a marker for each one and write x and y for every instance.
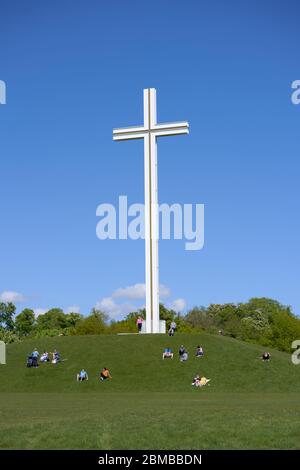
(83, 375)
(34, 357)
(183, 354)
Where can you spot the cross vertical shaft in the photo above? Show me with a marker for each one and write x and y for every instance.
(151, 214)
(150, 131)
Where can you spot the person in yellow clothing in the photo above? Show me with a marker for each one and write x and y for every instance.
(203, 381)
(105, 374)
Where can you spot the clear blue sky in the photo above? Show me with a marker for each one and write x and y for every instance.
(75, 70)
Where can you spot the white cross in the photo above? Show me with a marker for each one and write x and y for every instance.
(149, 132)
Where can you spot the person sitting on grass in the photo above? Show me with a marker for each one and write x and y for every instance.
(167, 354)
(183, 354)
(45, 357)
(82, 376)
(196, 381)
(105, 374)
(55, 357)
(199, 351)
(184, 357)
(266, 356)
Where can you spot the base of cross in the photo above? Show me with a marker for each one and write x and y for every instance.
(162, 328)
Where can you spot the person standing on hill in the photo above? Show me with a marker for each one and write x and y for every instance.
(172, 328)
(35, 353)
(139, 323)
(171, 332)
(35, 356)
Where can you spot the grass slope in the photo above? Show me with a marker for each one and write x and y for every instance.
(150, 403)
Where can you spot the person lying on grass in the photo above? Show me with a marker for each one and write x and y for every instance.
(82, 376)
(105, 374)
(200, 381)
(203, 381)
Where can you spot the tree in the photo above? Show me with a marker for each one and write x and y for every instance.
(72, 319)
(7, 336)
(264, 306)
(25, 322)
(285, 328)
(198, 318)
(7, 311)
(255, 326)
(94, 324)
(53, 319)
(166, 314)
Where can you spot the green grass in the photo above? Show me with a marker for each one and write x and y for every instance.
(150, 403)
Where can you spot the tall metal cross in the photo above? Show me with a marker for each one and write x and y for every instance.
(150, 131)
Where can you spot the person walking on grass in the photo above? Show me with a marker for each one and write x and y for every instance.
(172, 328)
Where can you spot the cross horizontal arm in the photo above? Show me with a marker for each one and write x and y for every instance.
(127, 133)
(174, 128)
(172, 125)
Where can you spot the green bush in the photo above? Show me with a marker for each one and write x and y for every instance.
(8, 336)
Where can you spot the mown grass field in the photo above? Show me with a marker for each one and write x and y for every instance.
(149, 403)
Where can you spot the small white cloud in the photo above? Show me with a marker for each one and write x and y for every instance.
(178, 305)
(108, 305)
(138, 291)
(114, 311)
(117, 310)
(164, 291)
(11, 296)
(73, 309)
(39, 311)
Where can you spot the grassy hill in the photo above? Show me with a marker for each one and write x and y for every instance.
(149, 403)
